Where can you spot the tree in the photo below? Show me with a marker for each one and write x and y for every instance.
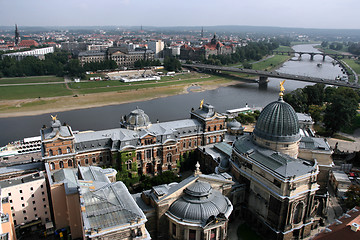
(352, 196)
(339, 112)
(172, 64)
(316, 112)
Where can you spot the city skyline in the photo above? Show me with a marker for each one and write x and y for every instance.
(329, 14)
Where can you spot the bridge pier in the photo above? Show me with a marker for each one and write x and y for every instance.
(311, 57)
(263, 81)
(324, 57)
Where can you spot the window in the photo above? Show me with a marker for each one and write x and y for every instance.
(45, 206)
(43, 199)
(214, 128)
(10, 201)
(50, 152)
(32, 195)
(86, 161)
(20, 191)
(45, 212)
(25, 218)
(61, 164)
(68, 150)
(14, 221)
(33, 202)
(9, 194)
(209, 129)
(35, 215)
(52, 166)
(59, 151)
(34, 208)
(22, 198)
(23, 205)
(213, 234)
(31, 188)
(42, 192)
(174, 229)
(100, 159)
(13, 214)
(70, 163)
(128, 164)
(192, 234)
(93, 160)
(12, 208)
(24, 211)
(169, 157)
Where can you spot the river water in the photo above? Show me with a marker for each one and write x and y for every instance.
(176, 107)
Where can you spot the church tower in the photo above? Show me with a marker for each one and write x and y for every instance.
(17, 35)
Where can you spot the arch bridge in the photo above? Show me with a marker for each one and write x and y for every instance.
(312, 54)
(264, 75)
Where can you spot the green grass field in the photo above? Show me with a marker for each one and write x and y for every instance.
(33, 91)
(355, 66)
(284, 49)
(36, 79)
(271, 63)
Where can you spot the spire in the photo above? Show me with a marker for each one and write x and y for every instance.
(202, 32)
(17, 35)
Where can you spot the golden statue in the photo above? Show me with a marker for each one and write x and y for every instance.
(201, 103)
(54, 118)
(282, 89)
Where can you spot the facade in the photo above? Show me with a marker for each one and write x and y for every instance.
(214, 47)
(157, 47)
(126, 58)
(28, 198)
(91, 56)
(141, 147)
(93, 206)
(193, 209)
(7, 228)
(39, 53)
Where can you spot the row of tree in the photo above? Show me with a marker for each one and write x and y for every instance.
(252, 51)
(58, 63)
(335, 107)
(146, 63)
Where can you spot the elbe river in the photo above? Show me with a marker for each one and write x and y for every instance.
(179, 106)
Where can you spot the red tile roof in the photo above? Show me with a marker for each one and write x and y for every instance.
(341, 229)
(28, 43)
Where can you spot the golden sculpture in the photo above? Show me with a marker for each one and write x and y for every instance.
(201, 103)
(54, 118)
(282, 89)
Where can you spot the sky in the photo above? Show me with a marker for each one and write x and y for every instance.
(332, 14)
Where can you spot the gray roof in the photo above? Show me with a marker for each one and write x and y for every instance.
(278, 122)
(22, 179)
(313, 143)
(91, 53)
(207, 111)
(199, 203)
(22, 168)
(56, 128)
(276, 162)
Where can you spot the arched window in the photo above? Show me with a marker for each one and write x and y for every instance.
(94, 160)
(139, 156)
(221, 127)
(214, 139)
(52, 166)
(128, 164)
(214, 128)
(70, 164)
(169, 157)
(51, 152)
(61, 164)
(68, 150)
(298, 213)
(158, 152)
(86, 161)
(59, 151)
(209, 129)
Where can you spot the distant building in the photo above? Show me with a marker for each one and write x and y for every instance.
(17, 35)
(28, 43)
(39, 53)
(74, 47)
(157, 47)
(126, 58)
(214, 47)
(91, 56)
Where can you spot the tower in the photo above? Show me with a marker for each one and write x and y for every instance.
(17, 35)
(202, 32)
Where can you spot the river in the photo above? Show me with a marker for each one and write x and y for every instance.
(175, 107)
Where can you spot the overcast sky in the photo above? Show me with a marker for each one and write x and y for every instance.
(341, 14)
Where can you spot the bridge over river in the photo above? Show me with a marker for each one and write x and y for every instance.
(264, 75)
(312, 54)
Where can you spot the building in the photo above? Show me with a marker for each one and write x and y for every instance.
(157, 47)
(7, 228)
(346, 227)
(193, 209)
(126, 58)
(28, 198)
(141, 147)
(340, 182)
(93, 206)
(27, 43)
(39, 53)
(91, 56)
(214, 47)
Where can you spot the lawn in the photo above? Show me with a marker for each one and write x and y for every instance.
(244, 232)
(271, 63)
(353, 64)
(33, 91)
(36, 79)
(284, 49)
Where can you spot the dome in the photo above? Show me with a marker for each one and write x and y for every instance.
(199, 203)
(278, 122)
(137, 118)
(234, 124)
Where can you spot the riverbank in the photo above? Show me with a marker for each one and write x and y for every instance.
(31, 107)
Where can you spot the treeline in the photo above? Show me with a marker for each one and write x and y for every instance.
(146, 63)
(252, 51)
(58, 63)
(354, 48)
(335, 107)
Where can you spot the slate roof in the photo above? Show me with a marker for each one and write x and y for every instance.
(276, 162)
(313, 143)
